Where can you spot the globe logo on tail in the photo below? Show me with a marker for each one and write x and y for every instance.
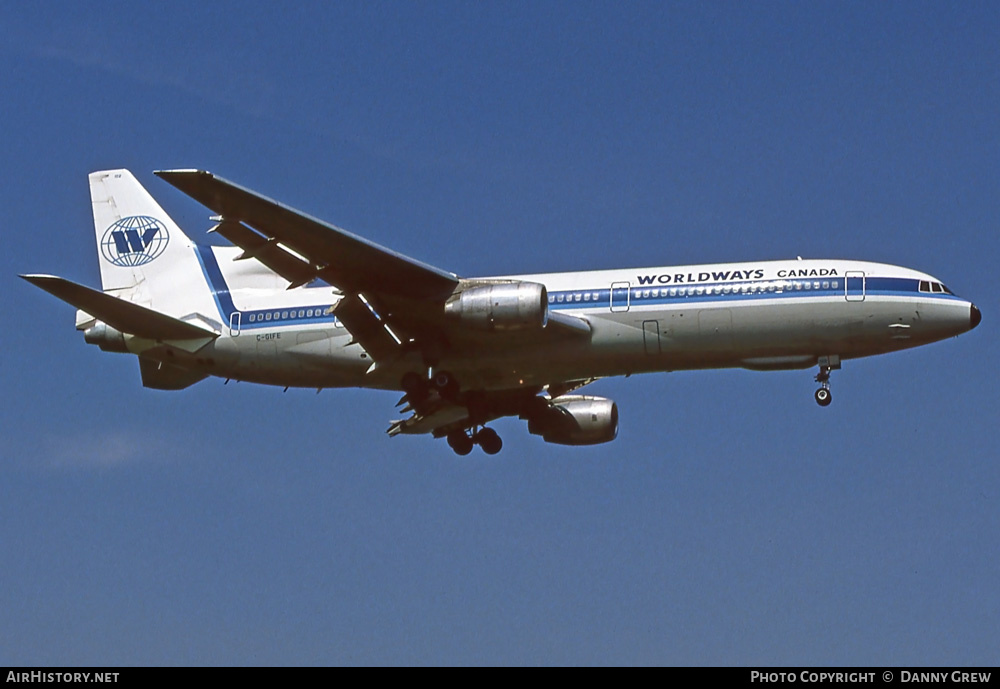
(134, 241)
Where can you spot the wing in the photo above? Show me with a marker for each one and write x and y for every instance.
(351, 263)
(394, 305)
(390, 301)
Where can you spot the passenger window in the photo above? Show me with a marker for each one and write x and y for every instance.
(267, 316)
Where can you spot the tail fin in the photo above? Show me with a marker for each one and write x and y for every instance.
(144, 255)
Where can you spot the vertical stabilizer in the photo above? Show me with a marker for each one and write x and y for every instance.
(143, 254)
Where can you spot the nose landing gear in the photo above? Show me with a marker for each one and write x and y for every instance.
(823, 396)
(826, 364)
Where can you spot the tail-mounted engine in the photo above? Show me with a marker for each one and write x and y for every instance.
(502, 306)
(575, 420)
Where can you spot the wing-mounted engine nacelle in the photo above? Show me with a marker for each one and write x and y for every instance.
(575, 420)
(501, 306)
(105, 337)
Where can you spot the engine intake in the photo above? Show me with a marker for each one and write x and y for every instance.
(575, 420)
(503, 306)
(105, 337)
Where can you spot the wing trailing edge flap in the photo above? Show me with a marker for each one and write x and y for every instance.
(368, 328)
(347, 261)
(558, 389)
(431, 422)
(121, 315)
(268, 251)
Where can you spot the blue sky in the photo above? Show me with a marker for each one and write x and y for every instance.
(732, 522)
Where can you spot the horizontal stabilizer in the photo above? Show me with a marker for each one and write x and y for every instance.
(119, 314)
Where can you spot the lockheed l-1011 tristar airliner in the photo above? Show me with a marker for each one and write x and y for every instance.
(298, 302)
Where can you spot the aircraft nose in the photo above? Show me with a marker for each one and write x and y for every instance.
(975, 316)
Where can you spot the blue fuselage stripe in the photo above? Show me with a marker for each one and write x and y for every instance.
(255, 318)
(601, 297)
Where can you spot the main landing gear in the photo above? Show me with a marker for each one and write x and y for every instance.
(826, 364)
(419, 391)
(462, 443)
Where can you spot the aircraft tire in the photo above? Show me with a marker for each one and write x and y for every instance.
(460, 442)
(823, 397)
(489, 441)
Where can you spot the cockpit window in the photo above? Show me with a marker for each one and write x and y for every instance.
(934, 287)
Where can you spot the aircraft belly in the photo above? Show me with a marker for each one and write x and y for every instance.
(784, 335)
(303, 358)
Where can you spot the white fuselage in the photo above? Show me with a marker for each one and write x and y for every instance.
(761, 315)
